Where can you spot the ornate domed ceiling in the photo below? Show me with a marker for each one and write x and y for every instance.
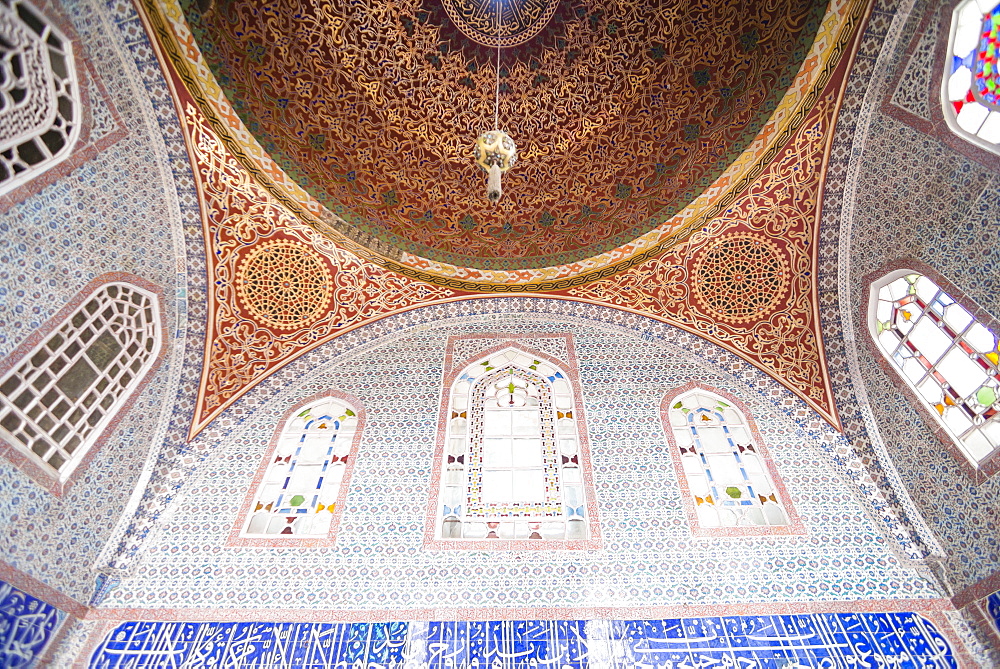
(672, 166)
(623, 112)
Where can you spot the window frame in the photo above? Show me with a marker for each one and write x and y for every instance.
(795, 525)
(452, 370)
(237, 538)
(54, 26)
(944, 68)
(874, 281)
(59, 483)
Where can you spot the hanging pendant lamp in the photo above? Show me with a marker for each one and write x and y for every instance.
(495, 151)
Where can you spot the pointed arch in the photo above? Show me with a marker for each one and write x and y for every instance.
(297, 495)
(729, 483)
(512, 466)
(970, 96)
(64, 389)
(944, 353)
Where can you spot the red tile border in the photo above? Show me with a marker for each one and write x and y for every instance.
(991, 466)
(962, 655)
(287, 541)
(84, 149)
(795, 525)
(452, 368)
(39, 590)
(921, 606)
(97, 635)
(977, 591)
(12, 453)
(979, 618)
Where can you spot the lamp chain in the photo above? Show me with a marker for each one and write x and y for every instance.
(496, 102)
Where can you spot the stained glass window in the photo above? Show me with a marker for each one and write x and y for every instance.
(726, 474)
(512, 453)
(303, 483)
(945, 355)
(39, 95)
(971, 82)
(58, 399)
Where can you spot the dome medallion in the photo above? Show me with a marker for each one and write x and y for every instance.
(520, 20)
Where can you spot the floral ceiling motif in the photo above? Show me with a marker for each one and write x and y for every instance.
(277, 288)
(285, 278)
(623, 112)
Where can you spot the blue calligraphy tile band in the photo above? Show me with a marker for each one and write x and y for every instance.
(817, 640)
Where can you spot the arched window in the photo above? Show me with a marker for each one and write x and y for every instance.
(39, 95)
(513, 457)
(727, 478)
(970, 87)
(945, 355)
(301, 488)
(57, 397)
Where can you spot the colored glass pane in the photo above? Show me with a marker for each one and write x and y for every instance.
(972, 77)
(947, 356)
(726, 474)
(512, 460)
(303, 481)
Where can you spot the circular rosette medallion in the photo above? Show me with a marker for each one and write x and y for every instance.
(740, 278)
(520, 20)
(284, 284)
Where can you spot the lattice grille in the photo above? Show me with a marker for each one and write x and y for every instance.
(741, 277)
(39, 94)
(55, 403)
(284, 284)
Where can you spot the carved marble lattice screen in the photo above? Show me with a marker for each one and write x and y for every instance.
(57, 399)
(40, 105)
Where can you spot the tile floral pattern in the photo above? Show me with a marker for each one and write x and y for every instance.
(649, 555)
(99, 218)
(894, 192)
(897, 190)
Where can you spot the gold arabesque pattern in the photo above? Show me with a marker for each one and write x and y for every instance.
(284, 284)
(654, 278)
(178, 46)
(516, 22)
(371, 108)
(740, 277)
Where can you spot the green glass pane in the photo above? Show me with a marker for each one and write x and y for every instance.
(986, 395)
(734, 492)
(297, 500)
